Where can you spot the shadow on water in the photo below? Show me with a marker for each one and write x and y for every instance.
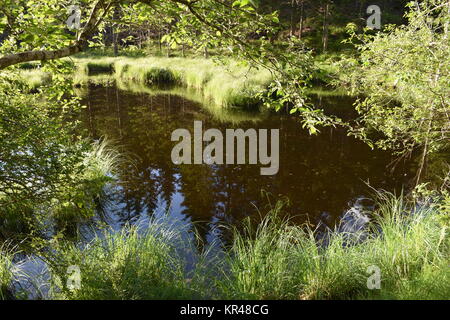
(322, 175)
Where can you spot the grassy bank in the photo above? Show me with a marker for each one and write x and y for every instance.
(228, 115)
(35, 78)
(276, 260)
(128, 265)
(5, 272)
(409, 246)
(226, 85)
(218, 85)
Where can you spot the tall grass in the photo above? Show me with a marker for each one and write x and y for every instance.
(274, 260)
(129, 265)
(410, 246)
(226, 85)
(35, 78)
(102, 160)
(6, 274)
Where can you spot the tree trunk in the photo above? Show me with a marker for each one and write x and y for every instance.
(291, 32)
(116, 47)
(325, 26)
(116, 31)
(300, 30)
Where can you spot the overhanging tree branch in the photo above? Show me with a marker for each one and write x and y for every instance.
(99, 10)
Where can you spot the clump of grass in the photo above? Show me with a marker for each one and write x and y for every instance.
(225, 85)
(237, 88)
(408, 244)
(99, 67)
(148, 72)
(127, 265)
(97, 70)
(6, 274)
(88, 196)
(102, 160)
(412, 247)
(159, 76)
(260, 261)
(35, 78)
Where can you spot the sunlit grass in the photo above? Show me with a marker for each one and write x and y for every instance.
(225, 115)
(409, 245)
(226, 85)
(130, 264)
(6, 274)
(35, 78)
(273, 260)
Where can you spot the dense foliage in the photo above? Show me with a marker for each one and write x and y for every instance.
(45, 171)
(405, 74)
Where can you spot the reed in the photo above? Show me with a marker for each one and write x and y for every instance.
(130, 264)
(409, 244)
(274, 259)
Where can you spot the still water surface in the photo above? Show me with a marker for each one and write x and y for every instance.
(325, 177)
(322, 176)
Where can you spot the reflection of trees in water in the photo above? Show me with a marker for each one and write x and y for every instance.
(141, 130)
(319, 174)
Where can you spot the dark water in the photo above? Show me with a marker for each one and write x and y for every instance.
(322, 176)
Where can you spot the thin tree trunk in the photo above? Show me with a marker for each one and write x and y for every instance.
(116, 47)
(302, 10)
(325, 27)
(116, 32)
(291, 32)
(159, 42)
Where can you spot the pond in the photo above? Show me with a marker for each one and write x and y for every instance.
(322, 176)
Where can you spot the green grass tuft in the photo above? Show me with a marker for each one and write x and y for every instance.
(35, 78)
(274, 260)
(99, 67)
(278, 261)
(229, 85)
(127, 265)
(6, 274)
